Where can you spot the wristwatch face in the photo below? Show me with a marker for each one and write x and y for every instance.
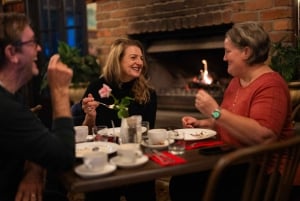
(216, 114)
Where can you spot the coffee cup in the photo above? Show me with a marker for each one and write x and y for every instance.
(157, 136)
(81, 133)
(95, 161)
(129, 153)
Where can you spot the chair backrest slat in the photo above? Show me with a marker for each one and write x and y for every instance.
(271, 172)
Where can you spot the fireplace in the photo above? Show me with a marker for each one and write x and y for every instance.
(176, 61)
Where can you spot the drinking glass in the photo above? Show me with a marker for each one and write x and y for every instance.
(176, 142)
(101, 133)
(145, 125)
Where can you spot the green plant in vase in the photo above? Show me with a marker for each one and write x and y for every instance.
(85, 68)
(285, 59)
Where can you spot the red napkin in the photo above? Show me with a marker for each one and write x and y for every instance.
(206, 143)
(175, 160)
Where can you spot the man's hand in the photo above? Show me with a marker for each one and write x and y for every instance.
(32, 185)
(59, 78)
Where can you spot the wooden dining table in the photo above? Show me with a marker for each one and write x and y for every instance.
(195, 162)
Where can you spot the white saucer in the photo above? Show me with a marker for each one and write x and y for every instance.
(117, 130)
(140, 161)
(156, 146)
(84, 172)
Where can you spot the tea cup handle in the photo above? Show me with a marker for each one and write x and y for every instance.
(139, 153)
(88, 164)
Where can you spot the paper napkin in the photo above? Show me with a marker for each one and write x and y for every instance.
(200, 144)
(166, 159)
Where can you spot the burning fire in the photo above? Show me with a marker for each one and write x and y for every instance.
(203, 77)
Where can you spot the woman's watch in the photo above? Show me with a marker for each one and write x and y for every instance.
(216, 114)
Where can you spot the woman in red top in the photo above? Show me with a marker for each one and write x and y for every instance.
(256, 107)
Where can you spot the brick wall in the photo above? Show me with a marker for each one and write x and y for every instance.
(117, 18)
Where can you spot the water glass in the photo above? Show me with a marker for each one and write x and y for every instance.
(101, 133)
(81, 133)
(145, 126)
(176, 142)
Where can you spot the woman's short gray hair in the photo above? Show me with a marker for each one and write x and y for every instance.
(252, 35)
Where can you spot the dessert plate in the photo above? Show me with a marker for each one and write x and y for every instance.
(88, 147)
(196, 133)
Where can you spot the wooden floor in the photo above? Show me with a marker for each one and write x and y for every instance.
(162, 192)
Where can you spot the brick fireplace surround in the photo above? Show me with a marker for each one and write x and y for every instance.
(117, 18)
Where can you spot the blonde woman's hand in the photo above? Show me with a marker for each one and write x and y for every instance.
(89, 105)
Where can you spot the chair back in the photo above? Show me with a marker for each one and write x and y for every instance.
(284, 157)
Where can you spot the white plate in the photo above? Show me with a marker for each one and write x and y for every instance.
(196, 133)
(84, 172)
(156, 146)
(87, 147)
(140, 161)
(110, 131)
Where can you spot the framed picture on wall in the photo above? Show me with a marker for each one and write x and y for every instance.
(91, 16)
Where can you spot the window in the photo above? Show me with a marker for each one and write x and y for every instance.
(59, 20)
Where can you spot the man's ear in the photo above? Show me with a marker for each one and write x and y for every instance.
(11, 53)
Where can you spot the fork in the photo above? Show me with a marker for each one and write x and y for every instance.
(108, 106)
(160, 156)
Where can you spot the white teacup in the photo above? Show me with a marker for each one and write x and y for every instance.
(95, 161)
(157, 136)
(81, 133)
(129, 153)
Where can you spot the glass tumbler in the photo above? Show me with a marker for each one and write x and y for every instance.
(176, 142)
(101, 133)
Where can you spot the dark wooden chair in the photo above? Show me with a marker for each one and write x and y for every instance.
(258, 187)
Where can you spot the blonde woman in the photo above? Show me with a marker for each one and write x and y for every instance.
(125, 74)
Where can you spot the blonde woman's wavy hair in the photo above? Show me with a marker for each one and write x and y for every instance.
(112, 69)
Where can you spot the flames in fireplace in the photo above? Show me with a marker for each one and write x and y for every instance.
(182, 97)
(204, 77)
